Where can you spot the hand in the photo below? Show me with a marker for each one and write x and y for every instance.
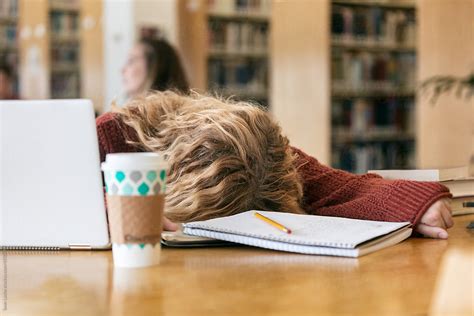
(437, 219)
(169, 225)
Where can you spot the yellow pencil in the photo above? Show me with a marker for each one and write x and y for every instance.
(273, 223)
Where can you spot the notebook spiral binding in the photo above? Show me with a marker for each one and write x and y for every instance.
(34, 248)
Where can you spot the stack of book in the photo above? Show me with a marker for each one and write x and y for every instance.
(458, 181)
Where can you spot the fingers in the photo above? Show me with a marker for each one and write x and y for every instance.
(169, 225)
(436, 220)
(432, 217)
(447, 217)
(432, 232)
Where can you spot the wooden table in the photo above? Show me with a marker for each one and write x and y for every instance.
(230, 281)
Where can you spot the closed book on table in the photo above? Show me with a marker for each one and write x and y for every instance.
(310, 234)
(463, 205)
(460, 188)
(446, 174)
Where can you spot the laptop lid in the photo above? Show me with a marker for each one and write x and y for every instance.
(50, 182)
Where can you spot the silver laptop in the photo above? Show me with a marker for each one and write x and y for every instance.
(51, 194)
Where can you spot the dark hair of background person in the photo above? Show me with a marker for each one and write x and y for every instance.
(165, 71)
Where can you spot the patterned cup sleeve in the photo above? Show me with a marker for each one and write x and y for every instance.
(135, 182)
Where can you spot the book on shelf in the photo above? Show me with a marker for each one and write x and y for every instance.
(65, 55)
(8, 36)
(372, 71)
(64, 23)
(237, 75)
(373, 24)
(310, 234)
(239, 6)
(358, 158)
(234, 37)
(65, 85)
(8, 24)
(378, 116)
(9, 8)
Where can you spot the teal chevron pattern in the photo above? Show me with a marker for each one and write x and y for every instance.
(135, 182)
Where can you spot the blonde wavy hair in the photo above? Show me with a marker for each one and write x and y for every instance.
(225, 157)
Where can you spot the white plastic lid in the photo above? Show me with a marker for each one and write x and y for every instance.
(134, 161)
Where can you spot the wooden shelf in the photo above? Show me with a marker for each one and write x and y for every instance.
(241, 93)
(57, 67)
(222, 53)
(65, 39)
(8, 19)
(240, 16)
(348, 136)
(8, 48)
(64, 96)
(372, 93)
(372, 46)
(389, 4)
(64, 6)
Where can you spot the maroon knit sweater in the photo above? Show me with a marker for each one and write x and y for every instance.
(326, 191)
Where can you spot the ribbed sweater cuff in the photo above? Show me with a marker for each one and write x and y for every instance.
(411, 199)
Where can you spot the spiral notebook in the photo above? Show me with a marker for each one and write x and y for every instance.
(310, 234)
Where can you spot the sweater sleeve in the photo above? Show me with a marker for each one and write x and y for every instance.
(333, 192)
(113, 135)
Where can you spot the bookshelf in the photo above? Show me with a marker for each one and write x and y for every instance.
(8, 38)
(65, 47)
(237, 53)
(373, 62)
(61, 50)
(302, 91)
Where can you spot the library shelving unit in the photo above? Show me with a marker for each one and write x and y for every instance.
(65, 48)
(373, 62)
(237, 52)
(8, 37)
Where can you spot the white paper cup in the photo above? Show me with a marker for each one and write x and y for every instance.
(135, 185)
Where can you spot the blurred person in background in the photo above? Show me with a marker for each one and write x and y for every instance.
(153, 64)
(6, 83)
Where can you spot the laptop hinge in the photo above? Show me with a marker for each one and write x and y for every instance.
(79, 247)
